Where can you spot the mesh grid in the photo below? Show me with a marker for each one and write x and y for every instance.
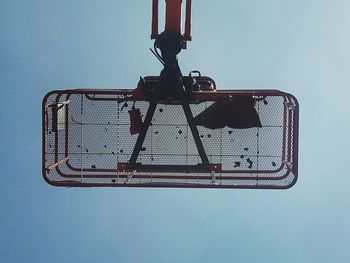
(92, 135)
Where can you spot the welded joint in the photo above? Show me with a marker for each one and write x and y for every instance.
(213, 178)
(54, 165)
(290, 105)
(129, 176)
(289, 166)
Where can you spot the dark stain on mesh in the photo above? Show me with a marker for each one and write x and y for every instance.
(143, 149)
(273, 164)
(230, 132)
(160, 110)
(246, 149)
(265, 102)
(93, 166)
(237, 164)
(250, 163)
(124, 106)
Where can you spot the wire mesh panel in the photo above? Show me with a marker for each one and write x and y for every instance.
(249, 139)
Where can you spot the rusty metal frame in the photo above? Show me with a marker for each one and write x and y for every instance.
(172, 19)
(138, 96)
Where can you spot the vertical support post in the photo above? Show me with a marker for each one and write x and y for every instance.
(194, 130)
(154, 19)
(173, 17)
(187, 35)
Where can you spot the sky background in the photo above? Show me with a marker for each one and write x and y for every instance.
(301, 47)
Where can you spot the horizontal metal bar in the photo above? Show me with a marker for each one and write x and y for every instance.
(222, 177)
(168, 168)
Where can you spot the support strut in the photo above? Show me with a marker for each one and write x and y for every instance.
(143, 132)
(171, 83)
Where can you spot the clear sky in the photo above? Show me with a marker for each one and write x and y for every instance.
(298, 46)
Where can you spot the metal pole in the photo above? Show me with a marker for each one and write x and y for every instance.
(173, 17)
(187, 35)
(154, 19)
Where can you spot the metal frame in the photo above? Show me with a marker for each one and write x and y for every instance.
(173, 88)
(116, 173)
(173, 20)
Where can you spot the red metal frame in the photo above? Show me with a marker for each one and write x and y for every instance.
(137, 95)
(173, 18)
(66, 174)
(187, 34)
(154, 19)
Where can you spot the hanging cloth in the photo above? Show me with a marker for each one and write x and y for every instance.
(235, 112)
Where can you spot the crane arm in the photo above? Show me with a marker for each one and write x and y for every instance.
(173, 15)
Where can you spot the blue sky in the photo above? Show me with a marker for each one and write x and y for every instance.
(301, 47)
